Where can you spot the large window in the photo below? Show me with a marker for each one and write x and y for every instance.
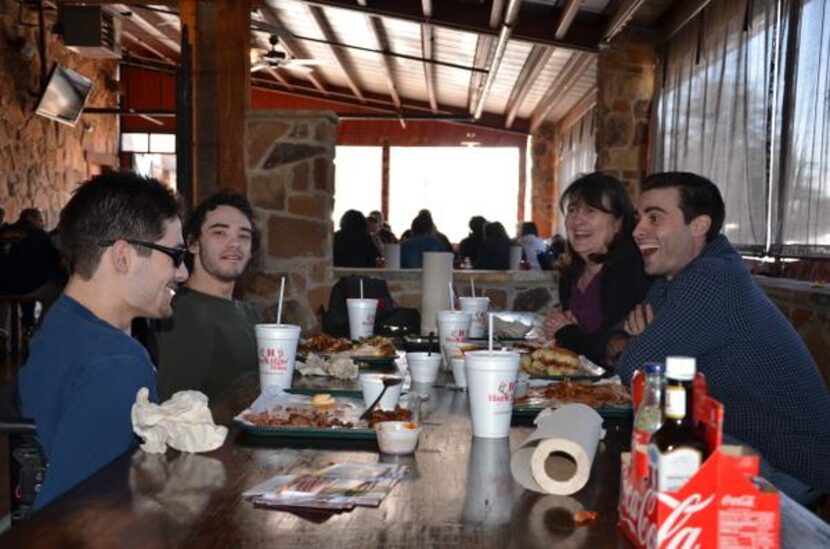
(745, 101)
(804, 226)
(153, 155)
(357, 180)
(454, 183)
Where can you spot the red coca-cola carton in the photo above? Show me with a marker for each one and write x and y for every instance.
(720, 506)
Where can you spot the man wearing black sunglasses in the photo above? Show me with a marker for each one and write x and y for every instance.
(121, 235)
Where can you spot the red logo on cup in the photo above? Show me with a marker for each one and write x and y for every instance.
(457, 336)
(273, 359)
(504, 393)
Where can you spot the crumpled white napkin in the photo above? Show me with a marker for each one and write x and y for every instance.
(184, 422)
(339, 366)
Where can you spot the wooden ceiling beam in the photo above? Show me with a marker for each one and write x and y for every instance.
(566, 18)
(505, 31)
(484, 55)
(620, 18)
(483, 58)
(143, 44)
(536, 61)
(427, 37)
(323, 24)
(293, 47)
(382, 104)
(378, 31)
(255, 4)
(496, 10)
(585, 104)
(679, 16)
(141, 22)
(532, 23)
(568, 76)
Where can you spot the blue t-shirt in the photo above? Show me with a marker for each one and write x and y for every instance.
(413, 248)
(79, 385)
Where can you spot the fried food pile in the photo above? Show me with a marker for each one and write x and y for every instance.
(398, 414)
(375, 346)
(295, 416)
(324, 344)
(595, 395)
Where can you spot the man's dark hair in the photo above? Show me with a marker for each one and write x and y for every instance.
(698, 196)
(353, 221)
(495, 231)
(422, 224)
(113, 206)
(477, 224)
(225, 197)
(529, 227)
(29, 216)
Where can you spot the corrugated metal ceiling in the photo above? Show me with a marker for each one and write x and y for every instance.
(349, 38)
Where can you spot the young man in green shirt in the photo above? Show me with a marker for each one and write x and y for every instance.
(210, 339)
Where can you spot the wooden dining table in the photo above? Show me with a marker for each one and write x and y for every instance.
(458, 491)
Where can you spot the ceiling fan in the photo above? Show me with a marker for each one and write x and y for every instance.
(277, 58)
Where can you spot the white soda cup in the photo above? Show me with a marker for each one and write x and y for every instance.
(276, 349)
(423, 367)
(372, 384)
(476, 306)
(453, 327)
(459, 372)
(491, 383)
(361, 317)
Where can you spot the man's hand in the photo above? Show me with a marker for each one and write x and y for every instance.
(616, 345)
(638, 319)
(556, 320)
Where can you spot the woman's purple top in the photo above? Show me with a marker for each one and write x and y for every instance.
(586, 306)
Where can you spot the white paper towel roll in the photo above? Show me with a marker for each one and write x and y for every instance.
(515, 257)
(435, 288)
(557, 457)
(392, 254)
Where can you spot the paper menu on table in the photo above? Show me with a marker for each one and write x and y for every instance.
(339, 486)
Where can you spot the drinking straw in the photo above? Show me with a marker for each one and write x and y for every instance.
(361, 288)
(472, 288)
(452, 297)
(282, 294)
(490, 332)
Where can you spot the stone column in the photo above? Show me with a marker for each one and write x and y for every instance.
(625, 79)
(289, 159)
(544, 157)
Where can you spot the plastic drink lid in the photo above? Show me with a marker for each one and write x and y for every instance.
(652, 368)
(681, 367)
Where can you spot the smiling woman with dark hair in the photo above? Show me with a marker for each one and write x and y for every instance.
(603, 278)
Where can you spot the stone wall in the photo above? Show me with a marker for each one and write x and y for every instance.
(530, 291)
(625, 86)
(42, 161)
(808, 309)
(289, 158)
(544, 158)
